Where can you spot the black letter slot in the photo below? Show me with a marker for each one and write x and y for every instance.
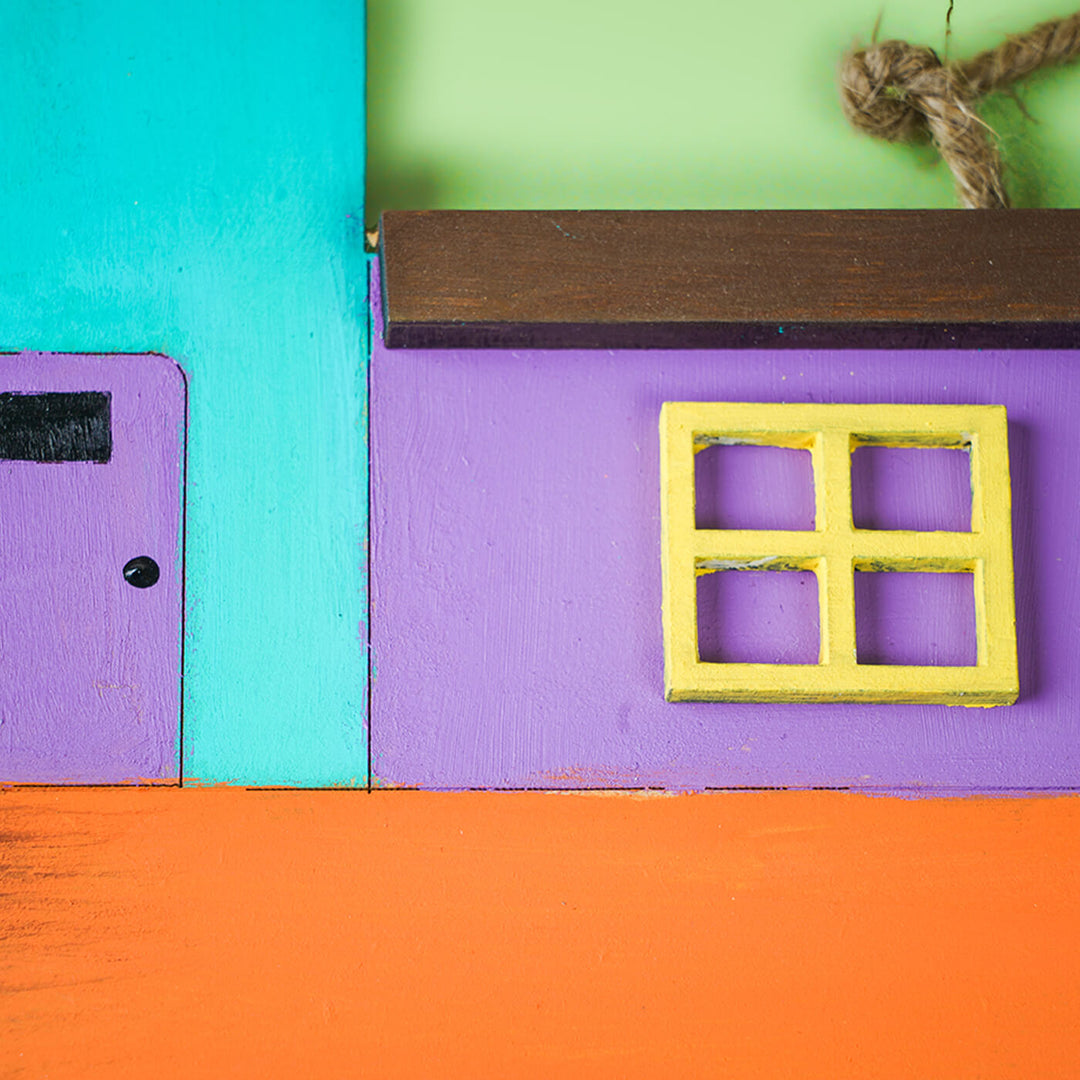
(56, 427)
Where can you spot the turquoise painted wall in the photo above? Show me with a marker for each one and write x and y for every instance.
(688, 103)
(188, 179)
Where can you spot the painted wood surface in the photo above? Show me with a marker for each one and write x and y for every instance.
(188, 180)
(401, 934)
(90, 666)
(809, 279)
(516, 577)
(837, 553)
(598, 103)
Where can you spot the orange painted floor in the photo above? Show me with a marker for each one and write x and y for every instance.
(232, 933)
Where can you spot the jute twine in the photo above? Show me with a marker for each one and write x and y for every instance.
(903, 92)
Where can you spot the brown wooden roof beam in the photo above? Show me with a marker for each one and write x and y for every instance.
(717, 278)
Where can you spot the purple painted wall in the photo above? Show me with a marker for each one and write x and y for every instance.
(89, 664)
(516, 576)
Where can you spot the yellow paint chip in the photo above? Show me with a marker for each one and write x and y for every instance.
(835, 550)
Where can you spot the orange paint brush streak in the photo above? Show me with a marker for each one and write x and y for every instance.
(224, 932)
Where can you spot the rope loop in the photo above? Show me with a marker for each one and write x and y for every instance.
(903, 93)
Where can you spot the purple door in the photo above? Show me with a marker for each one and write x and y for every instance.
(91, 567)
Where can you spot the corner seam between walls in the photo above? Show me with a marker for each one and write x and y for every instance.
(183, 569)
(370, 351)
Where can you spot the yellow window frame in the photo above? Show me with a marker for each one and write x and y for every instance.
(834, 550)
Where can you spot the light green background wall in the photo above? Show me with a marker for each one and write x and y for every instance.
(179, 178)
(687, 103)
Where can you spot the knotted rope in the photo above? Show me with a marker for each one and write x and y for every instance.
(901, 92)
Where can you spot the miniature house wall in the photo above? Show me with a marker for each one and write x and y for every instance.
(516, 500)
(176, 197)
(244, 267)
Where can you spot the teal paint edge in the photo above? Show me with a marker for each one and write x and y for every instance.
(190, 182)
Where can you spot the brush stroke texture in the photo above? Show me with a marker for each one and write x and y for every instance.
(516, 577)
(220, 932)
(89, 666)
(188, 179)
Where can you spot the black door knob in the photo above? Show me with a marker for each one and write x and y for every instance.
(142, 572)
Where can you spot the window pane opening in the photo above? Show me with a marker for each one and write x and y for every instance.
(911, 488)
(758, 617)
(915, 618)
(753, 487)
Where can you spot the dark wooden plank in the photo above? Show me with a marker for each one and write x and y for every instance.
(667, 279)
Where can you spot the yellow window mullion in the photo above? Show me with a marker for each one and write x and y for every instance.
(832, 479)
(914, 551)
(751, 549)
